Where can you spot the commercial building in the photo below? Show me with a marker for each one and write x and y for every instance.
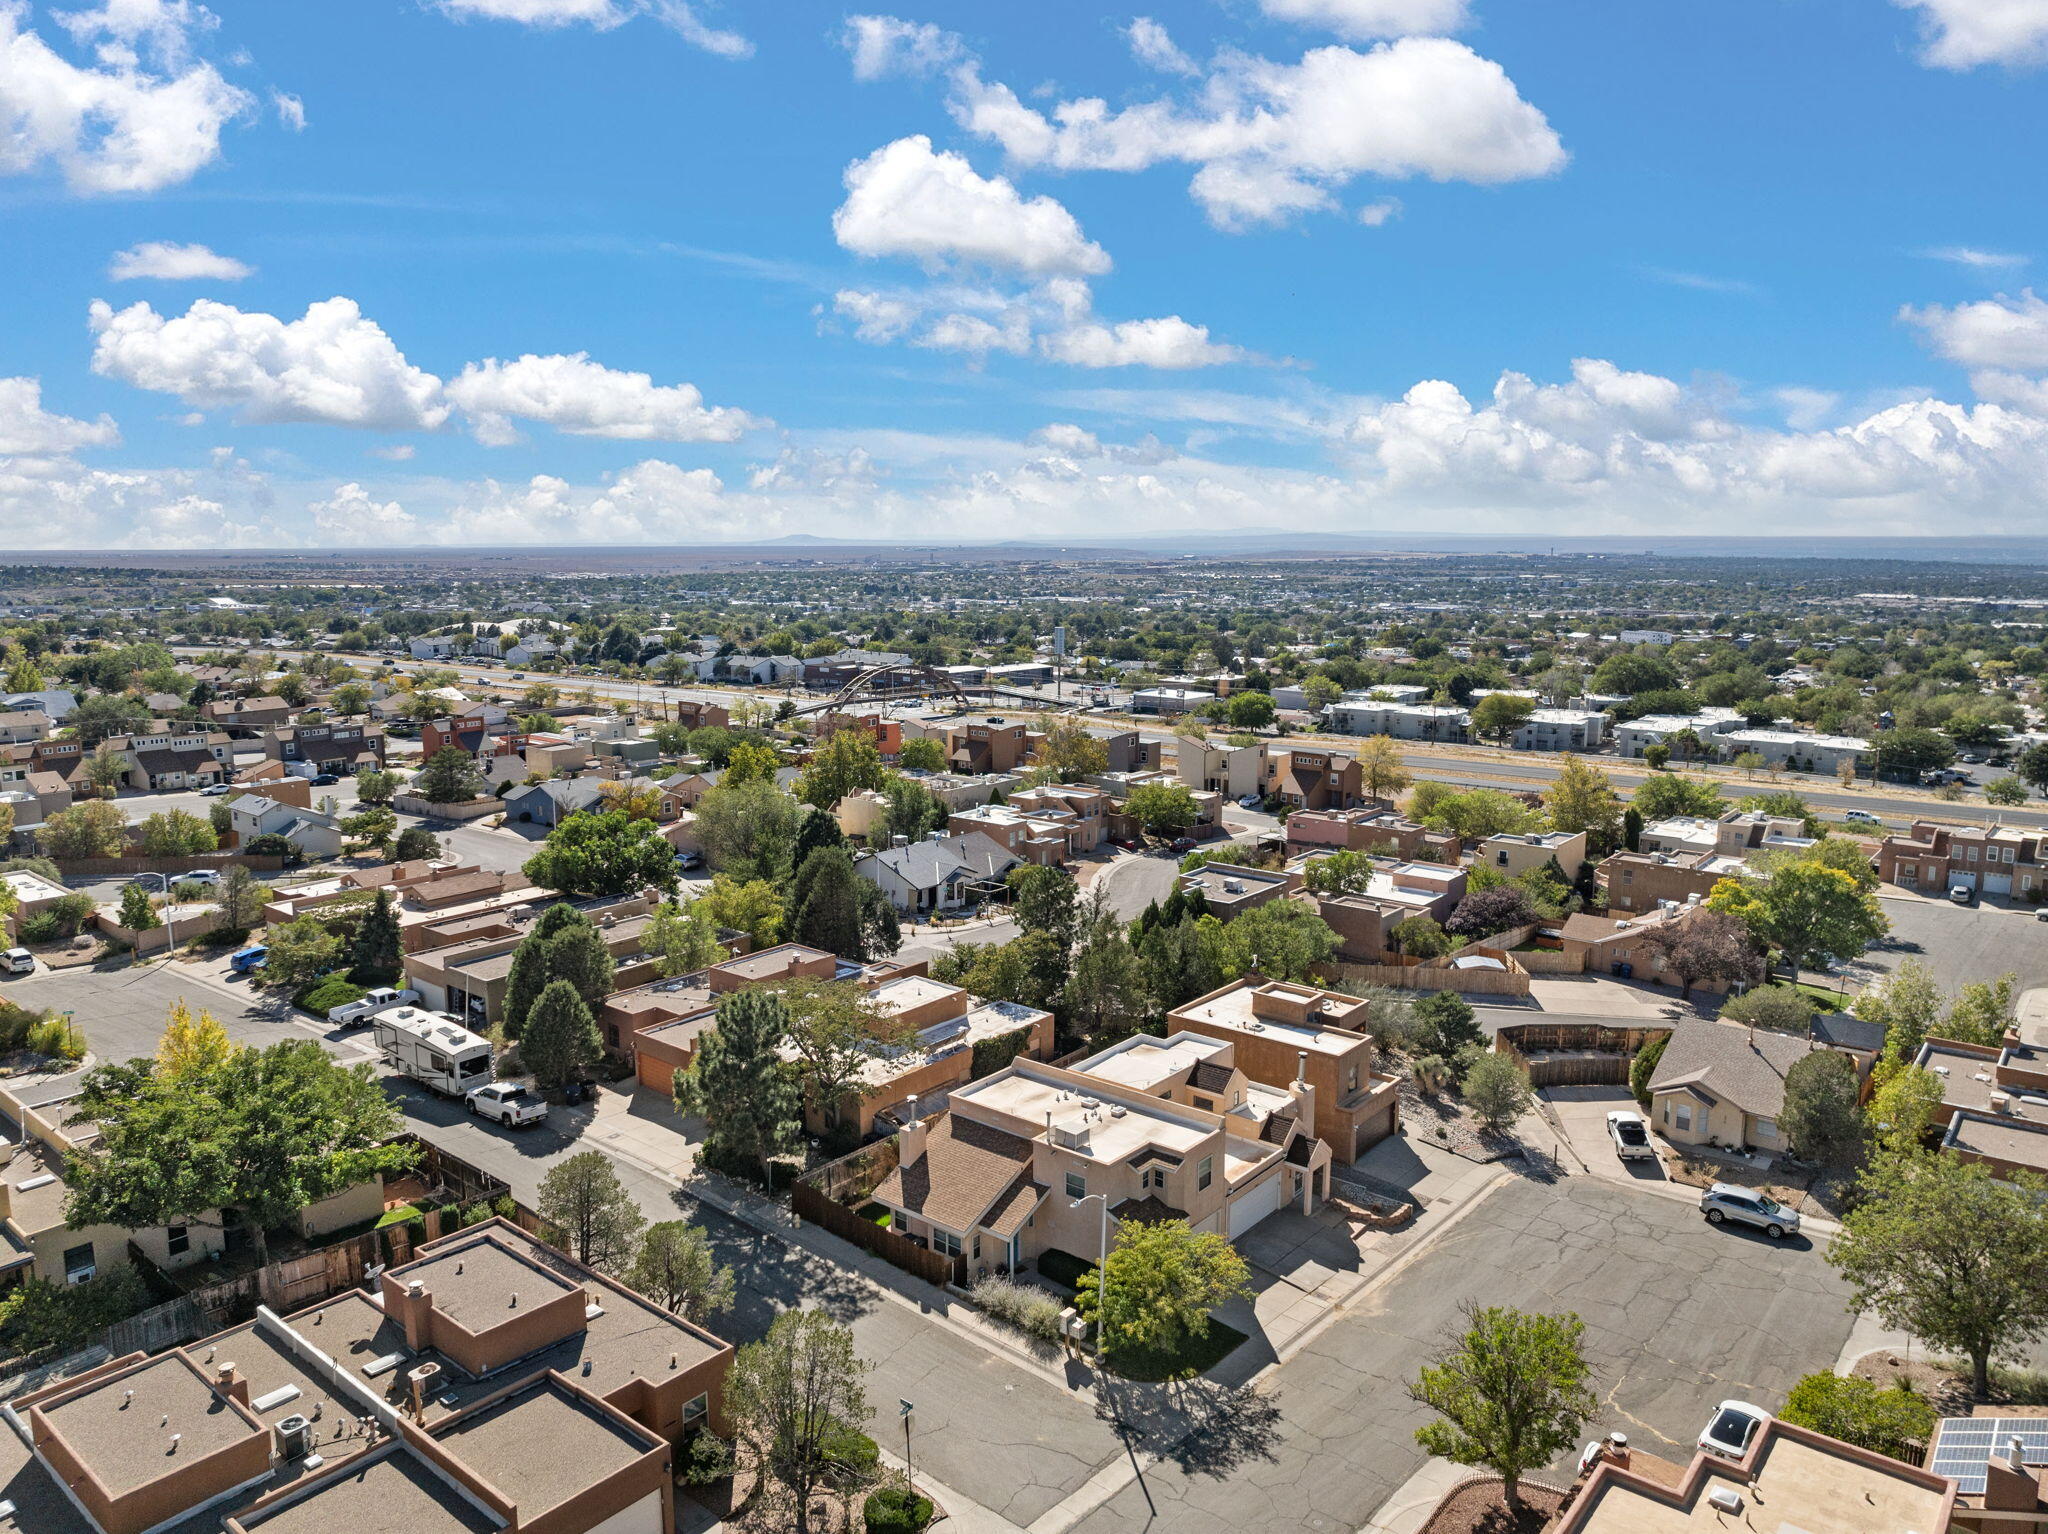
(1635, 736)
(1403, 721)
(1562, 729)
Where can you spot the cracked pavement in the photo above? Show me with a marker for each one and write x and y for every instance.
(1679, 1316)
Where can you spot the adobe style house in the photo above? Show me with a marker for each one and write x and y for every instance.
(1993, 860)
(1282, 1033)
(702, 713)
(1045, 836)
(1369, 828)
(1026, 1161)
(1791, 1479)
(1365, 922)
(1231, 889)
(1233, 771)
(1994, 1101)
(1516, 853)
(492, 1383)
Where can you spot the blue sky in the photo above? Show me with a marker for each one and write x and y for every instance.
(596, 271)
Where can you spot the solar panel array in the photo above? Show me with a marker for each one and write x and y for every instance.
(1962, 1445)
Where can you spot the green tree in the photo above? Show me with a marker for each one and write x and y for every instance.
(751, 906)
(1338, 874)
(1511, 1394)
(750, 762)
(375, 786)
(1656, 756)
(1448, 1025)
(1663, 797)
(825, 904)
(845, 761)
(1821, 1116)
(106, 769)
(1422, 937)
(417, 844)
(1497, 1091)
(1939, 1247)
(449, 777)
(794, 1399)
(603, 853)
(1282, 940)
(240, 897)
(1904, 1106)
(138, 914)
(98, 719)
(750, 829)
(1500, 714)
(1817, 915)
(299, 952)
(1046, 900)
(2032, 766)
(261, 1136)
(835, 1030)
(2007, 790)
(682, 939)
(176, 833)
(376, 953)
(1909, 751)
(1906, 1004)
(1106, 997)
(372, 827)
(1163, 1280)
(23, 676)
(922, 754)
(1642, 1070)
(1069, 751)
(599, 1222)
(559, 1041)
(1381, 771)
(1163, 809)
(1779, 1008)
(1887, 1419)
(1582, 798)
(92, 829)
(675, 1269)
(1252, 710)
(738, 1085)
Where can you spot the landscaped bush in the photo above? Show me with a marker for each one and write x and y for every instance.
(327, 993)
(39, 928)
(1031, 1311)
(1777, 1007)
(57, 1037)
(854, 1456)
(40, 1314)
(404, 1214)
(896, 1510)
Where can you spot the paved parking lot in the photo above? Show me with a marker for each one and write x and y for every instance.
(1679, 1316)
(1963, 943)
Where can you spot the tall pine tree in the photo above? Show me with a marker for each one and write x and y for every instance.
(740, 1086)
(825, 899)
(560, 1041)
(377, 940)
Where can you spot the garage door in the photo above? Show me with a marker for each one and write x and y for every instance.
(1372, 1131)
(1255, 1205)
(1998, 884)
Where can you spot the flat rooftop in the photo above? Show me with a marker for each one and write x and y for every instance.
(908, 992)
(2000, 1138)
(1235, 1009)
(391, 1492)
(770, 963)
(1141, 1063)
(483, 1284)
(1799, 1489)
(542, 1446)
(1028, 1097)
(122, 1438)
(271, 1369)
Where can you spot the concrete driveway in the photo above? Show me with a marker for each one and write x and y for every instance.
(1582, 1113)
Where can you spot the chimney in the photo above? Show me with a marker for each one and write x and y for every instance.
(1617, 1450)
(910, 1140)
(417, 1382)
(409, 1303)
(231, 1384)
(2008, 1485)
(1303, 1092)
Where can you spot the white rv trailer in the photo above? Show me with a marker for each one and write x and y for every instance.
(433, 1049)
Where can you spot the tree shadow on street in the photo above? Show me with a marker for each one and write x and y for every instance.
(1201, 1427)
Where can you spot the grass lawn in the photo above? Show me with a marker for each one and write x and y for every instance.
(1825, 997)
(1196, 1355)
(880, 1214)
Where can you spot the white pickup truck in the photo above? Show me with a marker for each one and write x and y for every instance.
(509, 1103)
(357, 1014)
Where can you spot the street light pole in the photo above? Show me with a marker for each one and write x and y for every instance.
(903, 1409)
(1101, 1273)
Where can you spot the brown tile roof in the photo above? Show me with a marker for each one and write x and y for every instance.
(1210, 1077)
(1147, 1210)
(1278, 1126)
(1747, 1066)
(966, 1167)
(1014, 1208)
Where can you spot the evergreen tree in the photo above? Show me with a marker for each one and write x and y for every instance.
(826, 900)
(560, 1041)
(377, 939)
(532, 967)
(816, 830)
(739, 1085)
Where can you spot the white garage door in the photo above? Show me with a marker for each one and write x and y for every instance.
(1998, 884)
(1256, 1205)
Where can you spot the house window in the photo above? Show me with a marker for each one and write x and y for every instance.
(1205, 1173)
(1206, 1104)
(1351, 1079)
(977, 1243)
(1077, 1185)
(1906, 871)
(1685, 1116)
(698, 1408)
(178, 1240)
(1767, 1129)
(78, 1263)
(945, 1241)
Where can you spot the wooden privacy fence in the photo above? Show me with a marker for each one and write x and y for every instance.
(1476, 982)
(830, 1196)
(1548, 961)
(1574, 1054)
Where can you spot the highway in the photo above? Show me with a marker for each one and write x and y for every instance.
(1465, 766)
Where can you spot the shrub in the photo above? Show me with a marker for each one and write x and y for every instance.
(1031, 1311)
(896, 1510)
(57, 1037)
(1885, 1418)
(41, 1314)
(39, 928)
(1777, 1007)
(854, 1457)
(327, 993)
(1643, 1069)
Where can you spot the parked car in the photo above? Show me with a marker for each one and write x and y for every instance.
(1630, 1133)
(1182, 844)
(198, 876)
(325, 779)
(1961, 894)
(151, 881)
(216, 790)
(1733, 1429)
(18, 961)
(357, 1014)
(246, 961)
(685, 861)
(1250, 802)
(1745, 1206)
(1861, 818)
(507, 1102)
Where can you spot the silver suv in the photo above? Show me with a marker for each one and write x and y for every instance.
(1745, 1206)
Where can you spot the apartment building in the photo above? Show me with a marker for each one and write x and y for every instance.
(701, 713)
(1562, 729)
(170, 756)
(1994, 860)
(492, 1383)
(1516, 853)
(338, 748)
(1635, 736)
(1403, 721)
(1233, 771)
(1087, 810)
(1313, 780)
(1798, 751)
(1643, 881)
(1365, 922)
(1033, 1158)
(1131, 752)
(316, 835)
(1283, 1033)
(1735, 834)
(248, 715)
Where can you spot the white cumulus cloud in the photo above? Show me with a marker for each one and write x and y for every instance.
(1269, 140)
(125, 122)
(906, 199)
(1154, 47)
(679, 16)
(331, 366)
(886, 45)
(586, 399)
(1996, 332)
(27, 429)
(354, 516)
(167, 261)
(1962, 34)
(1170, 343)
